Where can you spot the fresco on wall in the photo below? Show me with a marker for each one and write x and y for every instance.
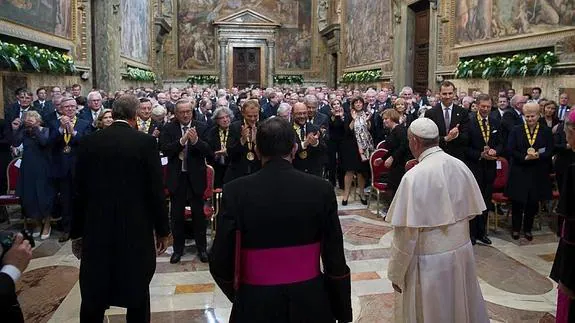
(135, 30)
(490, 19)
(197, 43)
(367, 21)
(49, 16)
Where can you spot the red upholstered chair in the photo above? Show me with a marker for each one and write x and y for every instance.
(498, 198)
(208, 193)
(381, 145)
(12, 174)
(410, 164)
(377, 186)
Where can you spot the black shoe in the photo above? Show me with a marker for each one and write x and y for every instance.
(485, 240)
(176, 257)
(203, 256)
(363, 201)
(344, 202)
(528, 236)
(65, 237)
(473, 241)
(515, 235)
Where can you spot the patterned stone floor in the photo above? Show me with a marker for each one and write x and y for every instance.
(513, 276)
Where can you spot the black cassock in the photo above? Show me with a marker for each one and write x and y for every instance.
(119, 202)
(563, 269)
(280, 208)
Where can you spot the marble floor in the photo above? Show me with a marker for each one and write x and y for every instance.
(513, 277)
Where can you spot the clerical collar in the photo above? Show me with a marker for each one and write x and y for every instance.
(428, 152)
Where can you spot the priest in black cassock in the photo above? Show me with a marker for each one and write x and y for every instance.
(114, 236)
(276, 225)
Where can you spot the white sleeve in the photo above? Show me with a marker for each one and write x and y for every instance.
(402, 249)
(11, 271)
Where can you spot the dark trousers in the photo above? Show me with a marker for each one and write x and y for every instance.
(478, 226)
(333, 171)
(179, 199)
(219, 173)
(94, 313)
(523, 213)
(64, 188)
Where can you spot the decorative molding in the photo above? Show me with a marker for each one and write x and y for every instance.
(29, 34)
(247, 18)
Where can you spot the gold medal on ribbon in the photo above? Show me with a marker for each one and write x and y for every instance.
(531, 138)
(303, 154)
(67, 149)
(485, 131)
(250, 156)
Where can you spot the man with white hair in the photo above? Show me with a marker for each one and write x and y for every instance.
(95, 108)
(284, 111)
(432, 266)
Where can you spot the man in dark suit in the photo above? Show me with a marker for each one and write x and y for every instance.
(17, 109)
(511, 118)
(14, 263)
(114, 237)
(282, 233)
(485, 145)
(144, 120)
(312, 149)
(94, 109)
(500, 109)
(42, 105)
(563, 106)
(183, 142)
(65, 135)
(452, 121)
(241, 152)
(270, 108)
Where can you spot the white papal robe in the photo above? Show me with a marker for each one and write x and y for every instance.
(432, 257)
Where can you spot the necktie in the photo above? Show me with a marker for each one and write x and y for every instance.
(185, 159)
(302, 132)
(484, 121)
(447, 119)
(562, 112)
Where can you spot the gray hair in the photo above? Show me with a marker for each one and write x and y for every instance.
(515, 98)
(221, 93)
(94, 95)
(34, 114)
(310, 99)
(222, 110)
(159, 110)
(284, 107)
(406, 88)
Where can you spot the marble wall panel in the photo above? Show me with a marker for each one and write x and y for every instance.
(49, 16)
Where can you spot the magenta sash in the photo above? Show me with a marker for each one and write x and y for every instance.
(278, 266)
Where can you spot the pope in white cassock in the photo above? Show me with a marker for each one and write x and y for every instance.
(432, 265)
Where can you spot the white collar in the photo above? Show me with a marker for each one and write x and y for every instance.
(189, 125)
(517, 111)
(443, 107)
(428, 152)
(122, 121)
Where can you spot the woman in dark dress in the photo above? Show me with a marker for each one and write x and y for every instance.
(563, 271)
(334, 146)
(357, 146)
(33, 185)
(531, 147)
(219, 143)
(397, 149)
(549, 115)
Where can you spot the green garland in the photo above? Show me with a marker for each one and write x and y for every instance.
(520, 64)
(288, 79)
(32, 58)
(138, 74)
(203, 79)
(361, 76)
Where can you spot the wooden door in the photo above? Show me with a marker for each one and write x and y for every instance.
(421, 51)
(247, 67)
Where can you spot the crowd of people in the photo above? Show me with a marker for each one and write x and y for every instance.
(336, 131)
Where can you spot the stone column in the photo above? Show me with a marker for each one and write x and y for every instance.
(223, 63)
(106, 22)
(433, 40)
(271, 62)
